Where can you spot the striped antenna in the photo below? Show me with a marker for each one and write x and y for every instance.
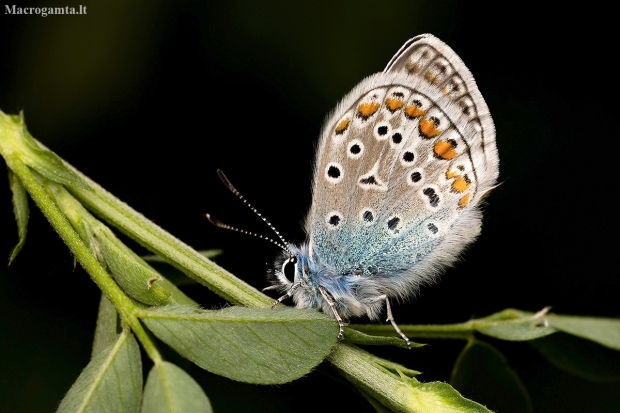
(217, 223)
(220, 224)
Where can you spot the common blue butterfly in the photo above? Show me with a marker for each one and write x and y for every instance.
(403, 163)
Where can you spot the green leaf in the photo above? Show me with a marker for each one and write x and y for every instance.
(524, 328)
(133, 275)
(257, 345)
(605, 331)
(130, 271)
(483, 373)
(22, 212)
(438, 397)
(108, 326)
(171, 390)
(399, 393)
(357, 337)
(580, 357)
(111, 382)
(47, 163)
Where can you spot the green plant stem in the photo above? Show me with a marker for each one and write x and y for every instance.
(145, 339)
(459, 331)
(353, 364)
(98, 274)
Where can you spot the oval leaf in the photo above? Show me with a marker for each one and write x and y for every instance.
(605, 331)
(483, 373)
(580, 357)
(171, 390)
(50, 165)
(112, 381)
(133, 275)
(108, 326)
(253, 345)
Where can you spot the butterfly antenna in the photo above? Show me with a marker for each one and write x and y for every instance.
(220, 224)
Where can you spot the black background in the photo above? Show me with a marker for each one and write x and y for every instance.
(150, 98)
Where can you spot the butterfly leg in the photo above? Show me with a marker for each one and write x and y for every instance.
(327, 296)
(390, 318)
(288, 294)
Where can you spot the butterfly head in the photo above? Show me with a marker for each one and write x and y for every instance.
(290, 268)
(294, 268)
(303, 276)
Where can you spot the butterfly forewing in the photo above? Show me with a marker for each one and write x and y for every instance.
(403, 161)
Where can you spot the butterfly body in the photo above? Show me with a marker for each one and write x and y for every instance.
(402, 164)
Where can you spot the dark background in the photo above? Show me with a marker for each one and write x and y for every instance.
(149, 98)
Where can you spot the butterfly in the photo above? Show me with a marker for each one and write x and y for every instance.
(402, 165)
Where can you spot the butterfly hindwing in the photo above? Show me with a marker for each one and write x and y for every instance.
(402, 164)
(455, 91)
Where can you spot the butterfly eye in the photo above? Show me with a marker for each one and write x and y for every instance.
(289, 267)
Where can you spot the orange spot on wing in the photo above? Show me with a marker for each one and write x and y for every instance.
(343, 125)
(394, 104)
(366, 110)
(428, 129)
(445, 150)
(413, 111)
(464, 201)
(460, 184)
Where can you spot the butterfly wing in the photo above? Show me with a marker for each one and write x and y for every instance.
(402, 165)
